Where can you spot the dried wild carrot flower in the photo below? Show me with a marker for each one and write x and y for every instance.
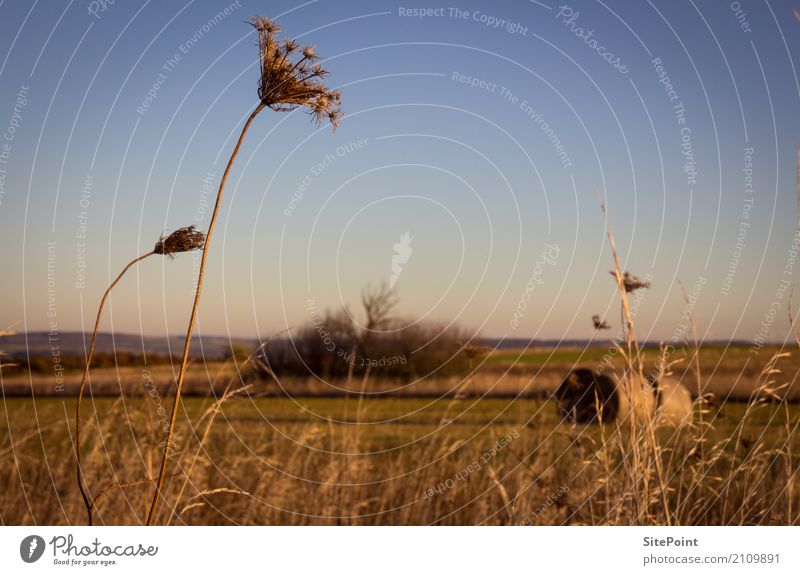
(291, 77)
(181, 240)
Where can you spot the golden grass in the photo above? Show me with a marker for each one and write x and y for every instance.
(271, 461)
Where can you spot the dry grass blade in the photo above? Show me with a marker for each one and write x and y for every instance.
(207, 493)
(508, 505)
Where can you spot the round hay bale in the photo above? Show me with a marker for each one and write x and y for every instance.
(674, 402)
(587, 397)
(645, 398)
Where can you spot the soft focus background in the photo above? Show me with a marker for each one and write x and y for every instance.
(431, 272)
(112, 140)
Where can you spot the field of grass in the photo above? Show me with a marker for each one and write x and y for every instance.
(315, 460)
(728, 372)
(488, 448)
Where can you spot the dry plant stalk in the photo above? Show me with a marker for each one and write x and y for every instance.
(632, 382)
(289, 78)
(181, 240)
(212, 412)
(698, 380)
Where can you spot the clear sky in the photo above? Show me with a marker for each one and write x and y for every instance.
(485, 132)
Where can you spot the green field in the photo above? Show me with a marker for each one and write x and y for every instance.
(389, 461)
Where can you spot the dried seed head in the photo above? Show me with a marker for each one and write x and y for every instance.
(599, 323)
(289, 80)
(631, 282)
(181, 240)
(263, 23)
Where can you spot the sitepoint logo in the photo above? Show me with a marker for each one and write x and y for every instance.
(31, 548)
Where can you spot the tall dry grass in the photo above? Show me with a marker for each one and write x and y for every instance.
(240, 469)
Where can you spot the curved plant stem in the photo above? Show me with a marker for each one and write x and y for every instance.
(193, 318)
(88, 501)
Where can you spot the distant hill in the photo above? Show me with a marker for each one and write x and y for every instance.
(75, 342)
(217, 346)
(522, 343)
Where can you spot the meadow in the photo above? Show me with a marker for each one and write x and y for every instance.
(488, 449)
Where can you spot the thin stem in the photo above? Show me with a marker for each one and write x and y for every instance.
(87, 499)
(214, 410)
(193, 318)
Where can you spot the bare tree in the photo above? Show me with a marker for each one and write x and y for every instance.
(378, 303)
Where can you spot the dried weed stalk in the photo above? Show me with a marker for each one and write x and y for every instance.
(289, 78)
(181, 240)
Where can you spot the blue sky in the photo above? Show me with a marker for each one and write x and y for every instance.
(486, 133)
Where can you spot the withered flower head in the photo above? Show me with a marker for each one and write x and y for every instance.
(290, 46)
(181, 240)
(290, 79)
(631, 282)
(599, 323)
